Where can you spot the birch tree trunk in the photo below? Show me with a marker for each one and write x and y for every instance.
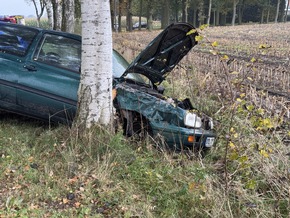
(277, 11)
(185, 5)
(234, 11)
(68, 19)
(49, 13)
(57, 18)
(286, 11)
(209, 12)
(95, 90)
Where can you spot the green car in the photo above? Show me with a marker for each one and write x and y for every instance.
(40, 74)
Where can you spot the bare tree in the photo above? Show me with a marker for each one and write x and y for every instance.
(95, 90)
(39, 6)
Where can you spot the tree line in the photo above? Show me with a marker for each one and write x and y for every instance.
(62, 14)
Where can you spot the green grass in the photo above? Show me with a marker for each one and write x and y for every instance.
(55, 172)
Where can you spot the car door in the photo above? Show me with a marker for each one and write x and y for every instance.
(48, 88)
(14, 47)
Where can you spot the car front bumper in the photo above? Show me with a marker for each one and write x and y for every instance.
(180, 137)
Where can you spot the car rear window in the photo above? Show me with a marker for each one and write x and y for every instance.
(15, 39)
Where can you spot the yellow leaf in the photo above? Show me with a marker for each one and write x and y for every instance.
(225, 57)
(234, 73)
(232, 145)
(191, 32)
(214, 44)
(249, 78)
(253, 60)
(264, 153)
(260, 111)
(263, 46)
(202, 27)
(242, 95)
(198, 38)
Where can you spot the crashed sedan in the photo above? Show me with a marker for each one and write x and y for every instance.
(40, 74)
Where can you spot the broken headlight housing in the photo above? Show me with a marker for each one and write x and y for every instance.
(192, 120)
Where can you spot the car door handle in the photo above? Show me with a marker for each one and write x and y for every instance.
(30, 67)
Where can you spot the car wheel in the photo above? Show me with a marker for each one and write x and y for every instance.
(135, 125)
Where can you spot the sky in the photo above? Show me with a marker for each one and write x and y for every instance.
(16, 7)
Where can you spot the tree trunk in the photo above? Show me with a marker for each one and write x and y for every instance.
(200, 13)
(176, 11)
(57, 18)
(286, 12)
(217, 23)
(39, 13)
(277, 10)
(234, 11)
(165, 14)
(95, 90)
(68, 11)
(150, 17)
(129, 16)
(262, 15)
(268, 11)
(49, 12)
(185, 10)
(209, 11)
(241, 12)
(140, 13)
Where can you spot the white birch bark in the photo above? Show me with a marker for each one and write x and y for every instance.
(95, 91)
(49, 11)
(235, 3)
(277, 11)
(209, 12)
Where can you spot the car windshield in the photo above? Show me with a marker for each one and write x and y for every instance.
(15, 40)
(119, 67)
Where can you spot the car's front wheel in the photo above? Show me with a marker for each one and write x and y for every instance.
(136, 125)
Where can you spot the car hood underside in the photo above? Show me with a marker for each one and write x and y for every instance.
(164, 52)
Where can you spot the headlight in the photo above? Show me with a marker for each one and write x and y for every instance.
(192, 120)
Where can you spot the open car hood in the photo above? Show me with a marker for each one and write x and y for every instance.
(164, 52)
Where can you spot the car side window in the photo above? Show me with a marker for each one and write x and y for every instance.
(15, 40)
(59, 51)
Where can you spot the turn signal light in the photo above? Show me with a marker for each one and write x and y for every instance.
(190, 139)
